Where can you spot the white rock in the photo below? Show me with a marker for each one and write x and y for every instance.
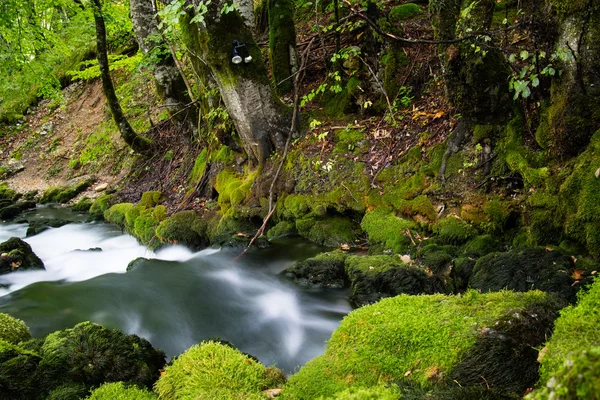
(102, 187)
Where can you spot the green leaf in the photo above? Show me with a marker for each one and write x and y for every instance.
(524, 55)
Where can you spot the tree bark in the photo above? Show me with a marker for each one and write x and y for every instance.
(283, 56)
(170, 84)
(137, 143)
(261, 120)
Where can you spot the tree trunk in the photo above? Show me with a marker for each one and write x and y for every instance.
(170, 84)
(283, 56)
(138, 143)
(261, 120)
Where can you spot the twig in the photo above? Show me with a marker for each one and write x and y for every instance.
(349, 191)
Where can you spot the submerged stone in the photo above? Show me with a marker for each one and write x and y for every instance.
(17, 255)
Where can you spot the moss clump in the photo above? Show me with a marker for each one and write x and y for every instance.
(575, 330)
(151, 199)
(18, 378)
(481, 246)
(420, 205)
(283, 228)
(422, 340)
(199, 167)
(13, 330)
(282, 43)
(17, 255)
(453, 230)
(100, 205)
(63, 194)
(324, 270)
(215, 371)
(437, 258)
(145, 224)
(526, 269)
(118, 391)
(375, 277)
(386, 230)
(72, 391)
(347, 140)
(404, 11)
(91, 354)
(497, 215)
(373, 393)
(329, 231)
(116, 214)
(186, 227)
(233, 191)
(83, 205)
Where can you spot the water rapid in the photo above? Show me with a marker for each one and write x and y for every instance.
(176, 298)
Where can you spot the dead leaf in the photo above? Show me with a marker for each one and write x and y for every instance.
(574, 259)
(405, 259)
(598, 173)
(345, 247)
(407, 373)
(272, 393)
(438, 115)
(371, 267)
(577, 274)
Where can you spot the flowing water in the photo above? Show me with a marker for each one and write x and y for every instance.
(175, 299)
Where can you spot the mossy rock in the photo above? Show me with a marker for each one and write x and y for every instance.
(437, 258)
(404, 11)
(283, 228)
(69, 391)
(7, 194)
(526, 269)
(462, 272)
(453, 230)
(431, 342)
(577, 378)
(375, 277)
(329, 231)
(38, 226)
(323, 270)
(18, 377)
(13, 210)
(372, 393)
(385, 229)
(120, 391)
(116, 214)
(17, 255)
(233, 190)
(221, 231)
(186, 227)
(151, 199)
(100, 205)
(13, 330)
(93, 355)
(575, 331)
(211, 370)
(84, 204)
(63, 194)
(481, 246)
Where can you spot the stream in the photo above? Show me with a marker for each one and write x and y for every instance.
(175, 299)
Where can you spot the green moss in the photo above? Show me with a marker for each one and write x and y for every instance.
(144, 227)
(199, 167)
(116, 214)
(222, 155)
(282, 41)
(404, 11)
(131, 214)
(453, 230)
(233, 191)
(375, 277)
(531, 176)
(384, 228)
(186, 227)
(575, 330)
(100, 205)
(347, 140)
(324, 270)
(497, 215)
(13, 330)
(420, 205)
(283, 228)
(526, 269)
(483, 132)
(426, 335)
(215, 371)
(373, 393)
(481, 246)
(118, 391)
(18, 378)
(329, 231)
(151, 199)
(70, 391)
(83, 205)
(436, 258)
(568, 7)
(63, 194)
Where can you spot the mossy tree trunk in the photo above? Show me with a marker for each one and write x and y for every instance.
(170, 84)
(261, 120)
(138, 143)
(282, 44)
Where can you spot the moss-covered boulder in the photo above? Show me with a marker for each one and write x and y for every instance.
(16, 255)
(84, 204)
(526, 269)
(453, 230)
(18, 379)
(569, 367)
(283, 228)
(100, 205)
(479, 341)
(69, 391)
(116, 214)
(215, 371)
(386, 232)
(120, 391)
(63, 194)
(38, 226)
(13, 330)
(13, 210)
(403, 11)
(375, 277)
(187, 228)
(481, 246)
(323, 270)
(330, 231)
(93, 355)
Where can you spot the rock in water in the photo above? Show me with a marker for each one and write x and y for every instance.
(16, 255)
